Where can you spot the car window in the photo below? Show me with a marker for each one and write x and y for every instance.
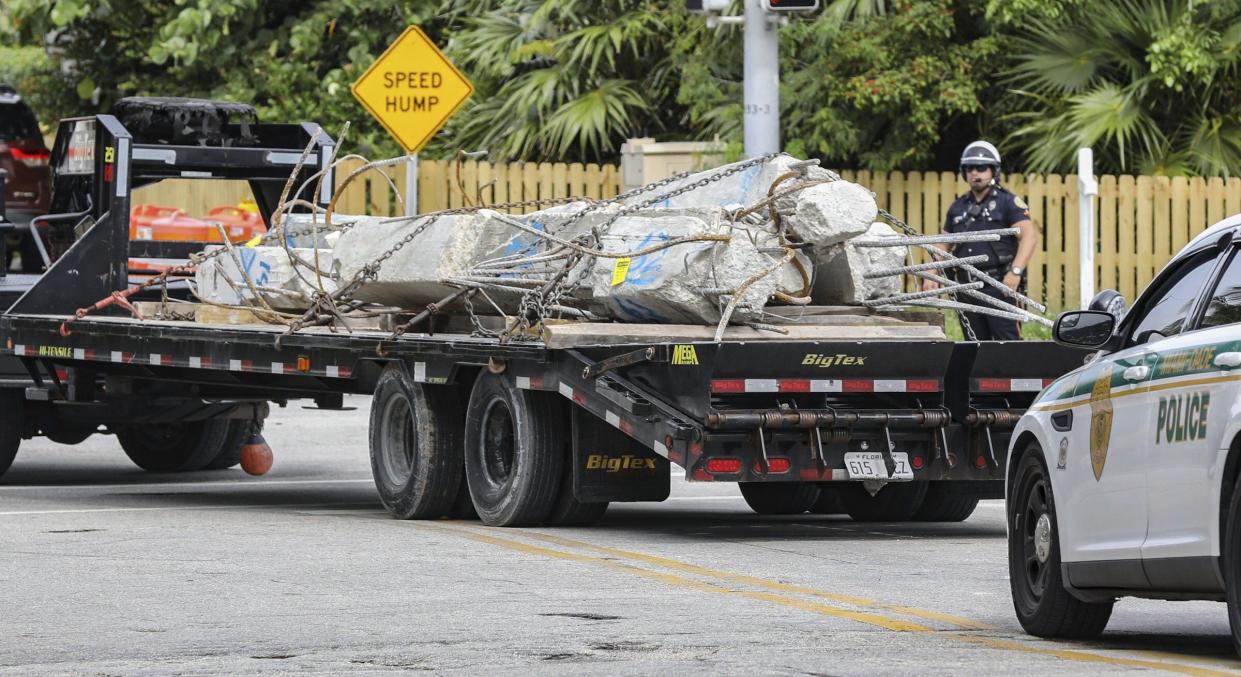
(1225, 304)
(1171, 303)
(17, 122)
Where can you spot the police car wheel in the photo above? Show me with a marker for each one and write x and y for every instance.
(11, 402)
(894, 502)
(779, 498)
(415, 445)
(514, 452)
(1232, 567)
(1044, 607)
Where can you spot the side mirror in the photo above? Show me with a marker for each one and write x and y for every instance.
(1084, 328)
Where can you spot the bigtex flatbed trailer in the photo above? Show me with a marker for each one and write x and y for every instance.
(526, 432)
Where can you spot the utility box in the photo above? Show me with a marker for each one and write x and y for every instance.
(643, 160)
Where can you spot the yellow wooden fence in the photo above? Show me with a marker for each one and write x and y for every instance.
(1142, 220)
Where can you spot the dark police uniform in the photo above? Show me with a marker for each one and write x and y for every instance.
(998, 209)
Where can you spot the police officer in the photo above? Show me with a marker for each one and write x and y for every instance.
(988, 206)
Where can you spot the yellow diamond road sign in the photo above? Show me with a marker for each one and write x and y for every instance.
(412, 89)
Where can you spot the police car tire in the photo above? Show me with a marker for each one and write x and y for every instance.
(1055, 613)
(1232, 567)
(779, 498)
(946, 502)
(895, 502)
(415, 445)
(828, 502)
(514, 452)
(173, 447)
(12, 403)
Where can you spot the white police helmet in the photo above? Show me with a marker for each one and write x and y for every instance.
(981, 153)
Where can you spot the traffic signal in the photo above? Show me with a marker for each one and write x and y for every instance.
(790, 5)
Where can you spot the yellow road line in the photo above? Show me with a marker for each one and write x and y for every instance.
(884, 622)
(958, 621)
(898, 625)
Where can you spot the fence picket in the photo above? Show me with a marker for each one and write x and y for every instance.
(1143, 236)
(1125, 223)
(1107, 252)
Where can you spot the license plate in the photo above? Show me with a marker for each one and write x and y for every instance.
(869, 465)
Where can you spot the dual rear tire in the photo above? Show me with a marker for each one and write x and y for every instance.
(184, 447)
(504, 456)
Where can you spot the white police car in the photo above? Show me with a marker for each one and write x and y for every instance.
(1123, 474)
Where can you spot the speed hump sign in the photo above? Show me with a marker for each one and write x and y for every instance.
(412, 89)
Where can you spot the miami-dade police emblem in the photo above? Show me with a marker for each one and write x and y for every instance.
(1100, 419)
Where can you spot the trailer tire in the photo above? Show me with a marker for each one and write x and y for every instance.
(779, 498)
(174, 447)
(462, 506)
(12, 403)
(514, 452)
(69, 436)
(230, 452)
(415, 445)
(1045, 608)
(946, 502)
(829, 502)
(895, 502)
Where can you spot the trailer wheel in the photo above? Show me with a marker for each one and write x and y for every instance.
(947, 502)
(174, 447)
(230, 451)
(1044, 607)
(68, 435)
(12, 402)
(895, 502)
(829, 502)
(514, 451)
(779, 498)
(462, 506)
(415, 445)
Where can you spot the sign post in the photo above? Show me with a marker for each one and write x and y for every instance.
(412, 89)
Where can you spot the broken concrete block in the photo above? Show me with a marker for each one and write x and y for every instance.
(741, 189)
(683, 284)
(827, 214)
(838, 275)
(270, 269)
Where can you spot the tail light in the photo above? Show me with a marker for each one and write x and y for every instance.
(38, 158)
(724, 466)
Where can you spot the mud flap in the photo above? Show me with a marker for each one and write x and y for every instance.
(608, 465)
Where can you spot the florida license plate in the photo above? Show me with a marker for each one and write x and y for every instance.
(869, 465)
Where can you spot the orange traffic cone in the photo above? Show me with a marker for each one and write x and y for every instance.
(256, 456)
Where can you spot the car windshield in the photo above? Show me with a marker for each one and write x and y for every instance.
(17, 122)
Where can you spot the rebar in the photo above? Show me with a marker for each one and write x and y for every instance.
(932, 265)
(913, 296)
(950, 238)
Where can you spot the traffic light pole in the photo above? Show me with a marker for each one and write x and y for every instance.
(762, 80)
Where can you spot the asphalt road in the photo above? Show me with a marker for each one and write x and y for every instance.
(105, 569)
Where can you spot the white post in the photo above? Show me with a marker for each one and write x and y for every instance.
(762, 80)
(1087, 189)
(411, 184)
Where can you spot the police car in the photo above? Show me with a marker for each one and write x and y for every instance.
(1123, 474)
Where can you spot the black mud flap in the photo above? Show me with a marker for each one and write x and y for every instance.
(608, 465)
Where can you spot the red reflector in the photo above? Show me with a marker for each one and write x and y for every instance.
(62, 374)
(794, 385)
(724, 466)
(35, 159)
(916, 462)
(1047, 381)
(994, 384)
(728, 385)
(921, 385)
(777, 465)
(980, 462)
(858, 385)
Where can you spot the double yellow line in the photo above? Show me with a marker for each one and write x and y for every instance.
(893, 617)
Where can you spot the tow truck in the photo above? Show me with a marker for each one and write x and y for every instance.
(520, 432)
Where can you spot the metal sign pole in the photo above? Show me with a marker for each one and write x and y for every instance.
(762, 80)
(411, 184)
(1087, 189)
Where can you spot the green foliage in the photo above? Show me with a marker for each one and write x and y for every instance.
(1151, 85)
(40, 83)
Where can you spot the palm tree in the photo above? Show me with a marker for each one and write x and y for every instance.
(563, 79)
(1151, 85)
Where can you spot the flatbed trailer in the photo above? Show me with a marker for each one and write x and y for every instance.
(864, 414)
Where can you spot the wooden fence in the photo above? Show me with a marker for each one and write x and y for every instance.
(1142, 220)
